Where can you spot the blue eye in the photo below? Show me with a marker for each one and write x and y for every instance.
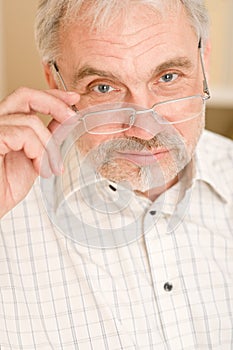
(103, 88)
(167, 78)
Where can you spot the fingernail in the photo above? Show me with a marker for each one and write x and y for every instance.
(71, 112)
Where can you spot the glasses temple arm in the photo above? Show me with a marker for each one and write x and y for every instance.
(205, 83)
(54, 64)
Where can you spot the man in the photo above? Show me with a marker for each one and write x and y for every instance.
(125, 239)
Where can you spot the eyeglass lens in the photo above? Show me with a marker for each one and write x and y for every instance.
(117, 120)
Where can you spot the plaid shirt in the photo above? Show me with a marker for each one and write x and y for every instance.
(163, 280)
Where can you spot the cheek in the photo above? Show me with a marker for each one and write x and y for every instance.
(191, 131)
(87, 142)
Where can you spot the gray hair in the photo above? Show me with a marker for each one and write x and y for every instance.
(55, 16)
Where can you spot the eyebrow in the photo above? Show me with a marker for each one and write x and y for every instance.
(86, 70)
(178, 62)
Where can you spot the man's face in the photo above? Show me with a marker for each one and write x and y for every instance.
(148, 59)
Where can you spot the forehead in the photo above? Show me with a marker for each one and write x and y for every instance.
(142, 30)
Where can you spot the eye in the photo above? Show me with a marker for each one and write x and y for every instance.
(168, 77)
(103, 88)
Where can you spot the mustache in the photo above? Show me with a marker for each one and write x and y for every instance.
(158, 141)
(162, 140)
(133, 143)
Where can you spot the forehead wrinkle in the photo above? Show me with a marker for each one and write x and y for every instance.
(139, 37)
(126, 40)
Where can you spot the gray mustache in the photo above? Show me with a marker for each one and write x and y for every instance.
(136, 144)
(163, 140)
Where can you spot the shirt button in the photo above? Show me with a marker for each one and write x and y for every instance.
(152, 212)
(168, 287)
(112, 188)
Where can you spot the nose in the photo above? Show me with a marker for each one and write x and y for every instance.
(145, 125)
(139, 133)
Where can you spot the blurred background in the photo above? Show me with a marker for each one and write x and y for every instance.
(20, 64)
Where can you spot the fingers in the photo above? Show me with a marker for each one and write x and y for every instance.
(21, 128)
(53, 102)
(34, 129)
(69, 97)
(61, 131)
(17, 138)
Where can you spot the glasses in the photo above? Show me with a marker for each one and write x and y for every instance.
(116, 120)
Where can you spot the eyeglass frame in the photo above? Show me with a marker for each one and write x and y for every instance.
(204, 97)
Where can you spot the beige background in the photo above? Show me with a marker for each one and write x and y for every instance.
(20, 64)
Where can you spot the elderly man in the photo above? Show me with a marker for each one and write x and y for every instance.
(124, 240)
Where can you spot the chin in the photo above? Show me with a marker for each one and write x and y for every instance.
(143, 178)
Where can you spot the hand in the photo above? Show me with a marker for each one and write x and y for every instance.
(24, 139)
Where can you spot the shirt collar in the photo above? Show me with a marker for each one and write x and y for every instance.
(206, 170)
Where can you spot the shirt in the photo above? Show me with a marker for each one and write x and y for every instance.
(163, 280)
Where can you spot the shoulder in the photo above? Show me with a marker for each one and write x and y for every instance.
(214, 162)
(215, 148)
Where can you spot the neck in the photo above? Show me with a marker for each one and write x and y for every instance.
(154, 193)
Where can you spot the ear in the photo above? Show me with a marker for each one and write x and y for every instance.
(49, 76)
